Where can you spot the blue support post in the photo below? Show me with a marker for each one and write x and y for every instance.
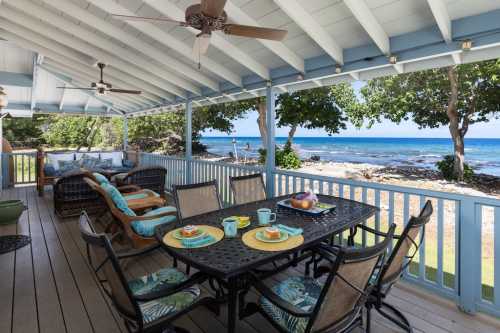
(271, 140)
(125, 133)
(189, 139)
(469, 269)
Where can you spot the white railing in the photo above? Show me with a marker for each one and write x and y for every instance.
(460, 257)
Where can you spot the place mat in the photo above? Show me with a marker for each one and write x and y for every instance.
(13, 242)
(216, 233)
(249, 240)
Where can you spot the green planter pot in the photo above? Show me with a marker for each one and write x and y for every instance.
(10, 210)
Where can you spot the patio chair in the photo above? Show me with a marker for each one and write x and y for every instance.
(303, 304)
(149, 303)
(248, 188)
(196, 199)
(407, 246)
(150, 177)
(138, 229)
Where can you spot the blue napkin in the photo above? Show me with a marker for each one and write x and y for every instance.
(204, 240)
(290, 230)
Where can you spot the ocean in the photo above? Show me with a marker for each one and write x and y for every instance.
(482, 154)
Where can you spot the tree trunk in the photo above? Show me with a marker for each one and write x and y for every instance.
(261, 120)
(456, 133)
(291, 134)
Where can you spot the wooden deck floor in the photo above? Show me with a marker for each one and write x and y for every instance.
(48, 286)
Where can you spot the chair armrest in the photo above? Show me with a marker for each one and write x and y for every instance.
(371, 230)
(277, 300)
(152, 217)
(128, 188)
(196, 278)
(138, 252)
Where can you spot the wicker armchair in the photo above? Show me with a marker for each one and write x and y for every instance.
(249, 188)
(196, 199)
(304, 304)
(407, 246)
(149, 303)
(130, 222)
(151, 178)
(72, 195)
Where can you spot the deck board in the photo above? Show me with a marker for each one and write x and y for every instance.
(50, 287)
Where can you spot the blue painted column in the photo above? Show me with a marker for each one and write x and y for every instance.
(125, 133)
(469, 260)
(189, 140)
(271, 141)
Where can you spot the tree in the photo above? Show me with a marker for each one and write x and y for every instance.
(457, 96)
(76, 131)
(323, 107)
(24, 131)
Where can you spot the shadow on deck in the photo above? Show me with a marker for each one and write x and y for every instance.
(49, 287)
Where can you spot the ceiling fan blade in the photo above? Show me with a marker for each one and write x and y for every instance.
(124, 91)
(147, 19)
(201, 44)
(75, 88)
(255, 32)
(213, 8)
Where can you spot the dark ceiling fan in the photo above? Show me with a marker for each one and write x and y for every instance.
(210, 16)
(101, 87)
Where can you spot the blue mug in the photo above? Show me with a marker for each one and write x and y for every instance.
(230, 225)
(266, 216)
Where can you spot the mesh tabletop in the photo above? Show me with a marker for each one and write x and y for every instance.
(231, 257)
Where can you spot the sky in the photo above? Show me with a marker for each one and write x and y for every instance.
(248, 127)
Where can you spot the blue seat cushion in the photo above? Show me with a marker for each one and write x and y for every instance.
(49, 170)
(143, 194)
(66, 166)
(303, 292)
(118, 199)
(147, 228)
(100, 178)
(155, 309)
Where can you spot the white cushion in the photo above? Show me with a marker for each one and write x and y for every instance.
(79, 156)
(116, 157)
(54, 158)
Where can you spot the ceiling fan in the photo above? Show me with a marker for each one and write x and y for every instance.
(209, 16)
(101, 87)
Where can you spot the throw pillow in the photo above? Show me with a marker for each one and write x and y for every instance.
(49, 170)
(105, 164)
(65, 166)
(89, 162)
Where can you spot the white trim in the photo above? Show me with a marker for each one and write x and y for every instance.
(438, 8)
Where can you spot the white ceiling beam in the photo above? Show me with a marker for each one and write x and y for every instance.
(37, 60)
(457, 58)
(168, 40)
(156, 75)
(46, 36)
(150, 51)
(438, 8)
(365, 17)
(400, 68)
(236, 14)
(130, 99)
(171, 10)
(87, 103)
(311, 27)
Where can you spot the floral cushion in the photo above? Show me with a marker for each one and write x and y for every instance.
(65, 166)
(118, 199)
(303, 292)
(147, 228)
(89, 162)
(104, 164)
(158, 308)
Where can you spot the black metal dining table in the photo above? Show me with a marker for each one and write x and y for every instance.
(230, 259)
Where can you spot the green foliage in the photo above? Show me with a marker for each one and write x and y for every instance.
(285, 158)
(74, 131)
(317, 108)
(24, 131)
(446, 168)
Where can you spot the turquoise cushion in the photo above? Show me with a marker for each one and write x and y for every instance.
(303, 292)
(118, 199)
(160, 307)
(147, 228)
(100, 178)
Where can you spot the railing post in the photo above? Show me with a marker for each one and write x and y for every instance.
(125, 133)
(469, 251)
(271, 145)
(189, 140)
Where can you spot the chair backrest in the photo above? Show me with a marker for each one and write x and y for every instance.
(406, 247)
(151, 178)
(103, 260)
(196, 199)
(347, 285)
(115, 211)
(249, 188)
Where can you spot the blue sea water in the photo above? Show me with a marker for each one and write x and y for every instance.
(482, 154)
